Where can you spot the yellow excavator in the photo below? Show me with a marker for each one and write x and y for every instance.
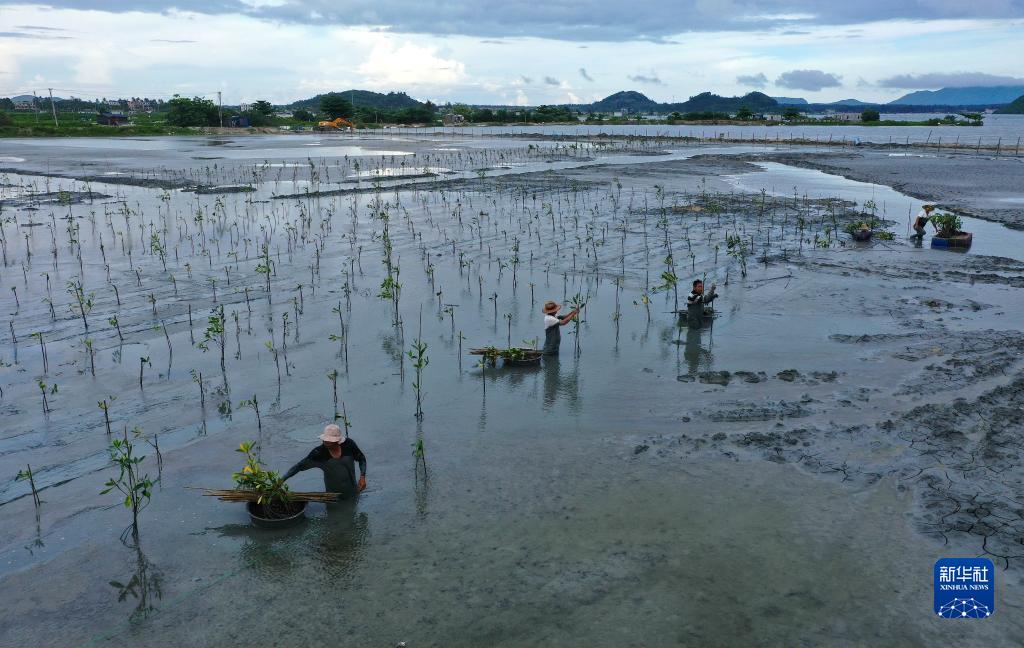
(335, 124)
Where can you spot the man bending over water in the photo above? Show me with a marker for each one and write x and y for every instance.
(336, 457)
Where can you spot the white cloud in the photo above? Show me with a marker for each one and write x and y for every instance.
(389, 65)
(157, 54)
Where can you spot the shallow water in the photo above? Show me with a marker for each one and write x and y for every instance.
(542, 518)
(996, 129)
(990, 238)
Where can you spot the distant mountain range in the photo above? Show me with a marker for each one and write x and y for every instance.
(790, 101)
(990, 96)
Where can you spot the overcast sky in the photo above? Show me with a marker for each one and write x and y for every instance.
(513, 52)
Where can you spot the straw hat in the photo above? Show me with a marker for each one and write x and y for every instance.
(333, 434)
(550, 307)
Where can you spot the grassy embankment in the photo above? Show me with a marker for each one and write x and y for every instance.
(84, 125)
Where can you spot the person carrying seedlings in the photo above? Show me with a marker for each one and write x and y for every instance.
(698, 303)
(552, 326)
(336, 457)
(922, 219)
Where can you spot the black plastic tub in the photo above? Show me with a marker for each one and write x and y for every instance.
(276, 523)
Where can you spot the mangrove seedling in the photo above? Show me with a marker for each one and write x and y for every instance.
(92, 356)
(43, 388)
(30, 476)
(418, 356)
(577, 303)
(113, 321)
(333, 377)
(669, 279)
(270, 489)
(419, 456)
(273, 350)
(143, 361)
(105, 406)
(737, 250)
(82, 301)
(130, 482)
(255, 405)
(215, 332)
(947, 224)
(42, 348)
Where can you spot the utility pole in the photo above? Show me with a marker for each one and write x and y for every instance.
(35, 106)
(220, 110)
(53, 108)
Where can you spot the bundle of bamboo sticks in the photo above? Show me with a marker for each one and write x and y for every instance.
(236, 495)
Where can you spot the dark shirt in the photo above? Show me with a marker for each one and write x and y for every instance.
(339, 473)
(701, 298)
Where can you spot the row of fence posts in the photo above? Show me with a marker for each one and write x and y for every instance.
(724, 137)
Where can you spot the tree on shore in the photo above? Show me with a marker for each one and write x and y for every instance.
(197, 111)
(870, 115)
(335, 105)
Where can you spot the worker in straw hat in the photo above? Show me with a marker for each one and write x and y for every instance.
(552, 326)
(922, 219)
(336, 456)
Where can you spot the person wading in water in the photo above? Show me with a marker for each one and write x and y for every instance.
(552, 326)
(336, 457)
(698, 304)
(922, 219)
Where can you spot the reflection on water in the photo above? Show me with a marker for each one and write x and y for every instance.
(339, 538)
(561, 382)
(144, 587)
(697, 356)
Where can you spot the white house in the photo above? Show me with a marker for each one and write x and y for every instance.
(846, 117)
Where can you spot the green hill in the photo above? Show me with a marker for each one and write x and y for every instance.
(364, 99)
(1015, 107)
(708, 102)
(634, 102)
(630, 100)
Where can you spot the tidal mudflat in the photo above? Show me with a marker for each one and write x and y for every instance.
(779, 477)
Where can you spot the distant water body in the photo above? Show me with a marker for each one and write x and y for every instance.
(1004, 129)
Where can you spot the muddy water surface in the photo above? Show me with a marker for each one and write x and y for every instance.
(771, 479)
